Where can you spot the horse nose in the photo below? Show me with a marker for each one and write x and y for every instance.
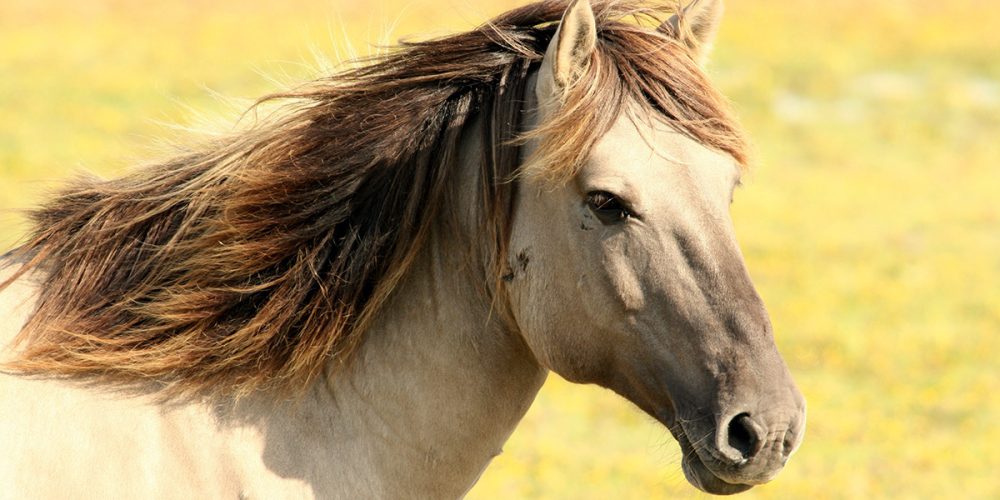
(741, 438)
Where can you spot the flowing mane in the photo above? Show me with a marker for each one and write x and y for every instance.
(256, 260)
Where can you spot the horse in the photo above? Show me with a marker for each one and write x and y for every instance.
(360, 293)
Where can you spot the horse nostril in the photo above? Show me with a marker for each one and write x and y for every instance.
(743, 436)
(787, 443)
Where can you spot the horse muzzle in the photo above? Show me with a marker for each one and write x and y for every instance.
(742, 451)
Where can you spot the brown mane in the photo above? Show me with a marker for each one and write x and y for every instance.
(257, 259)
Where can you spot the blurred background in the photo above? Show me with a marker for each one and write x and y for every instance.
(871, 225)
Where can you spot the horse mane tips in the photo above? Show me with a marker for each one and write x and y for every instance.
(254, 261)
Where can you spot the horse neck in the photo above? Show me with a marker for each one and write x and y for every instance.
(437, 385)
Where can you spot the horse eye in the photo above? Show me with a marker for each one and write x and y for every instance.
(607, 207)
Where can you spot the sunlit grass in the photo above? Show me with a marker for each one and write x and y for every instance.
(871, 225)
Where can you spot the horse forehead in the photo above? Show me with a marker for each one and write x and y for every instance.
(650, 152)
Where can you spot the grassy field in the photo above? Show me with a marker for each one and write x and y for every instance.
(871, 225)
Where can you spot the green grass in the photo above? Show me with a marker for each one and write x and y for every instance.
(871, 225)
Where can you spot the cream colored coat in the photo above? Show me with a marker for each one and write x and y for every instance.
(419, 415)
(658, 307)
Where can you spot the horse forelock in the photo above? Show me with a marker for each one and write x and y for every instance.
(259, 259)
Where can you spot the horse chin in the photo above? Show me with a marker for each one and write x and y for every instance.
(698, 475)
(696, 472)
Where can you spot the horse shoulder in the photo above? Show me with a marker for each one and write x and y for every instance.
(64, 438)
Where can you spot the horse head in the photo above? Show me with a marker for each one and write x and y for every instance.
(629, 274)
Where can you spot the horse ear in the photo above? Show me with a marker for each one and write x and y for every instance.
(569, 52)
(695, 26)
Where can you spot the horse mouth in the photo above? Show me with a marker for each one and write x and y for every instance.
(699, 475)
(702, 478)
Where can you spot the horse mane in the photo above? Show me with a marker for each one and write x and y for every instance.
(256, 259)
